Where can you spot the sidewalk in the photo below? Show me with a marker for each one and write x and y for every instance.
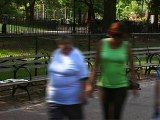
(139, 108)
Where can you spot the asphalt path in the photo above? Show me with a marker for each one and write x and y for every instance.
(136, 108)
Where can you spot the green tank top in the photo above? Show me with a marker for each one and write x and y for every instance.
(112, 65)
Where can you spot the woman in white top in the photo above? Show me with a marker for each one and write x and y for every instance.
(67, 73)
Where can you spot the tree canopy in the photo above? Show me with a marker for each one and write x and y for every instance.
(86, 10)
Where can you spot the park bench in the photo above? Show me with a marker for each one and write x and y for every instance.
(14, 64)
(144, 58)
(148, 58)
(89, 57)
(27, 62)
(154, 51)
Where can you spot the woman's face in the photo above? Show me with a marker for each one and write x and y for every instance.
(119, 40)
(65, 46)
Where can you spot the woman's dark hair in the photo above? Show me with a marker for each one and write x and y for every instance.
(117, 30)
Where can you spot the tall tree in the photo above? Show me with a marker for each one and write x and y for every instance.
(155, 4)
(91, 12)
(109, 13)
(3, 4)
(29, 7)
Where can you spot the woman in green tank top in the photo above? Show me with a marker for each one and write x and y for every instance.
(112, 55)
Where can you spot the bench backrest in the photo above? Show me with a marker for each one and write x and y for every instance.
(14, 62)
(142, 52)
(139, 54)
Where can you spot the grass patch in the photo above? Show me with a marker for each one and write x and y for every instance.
(8, 52)
(22, 29)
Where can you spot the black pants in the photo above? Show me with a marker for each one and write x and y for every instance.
(59, 112)
(112, 100)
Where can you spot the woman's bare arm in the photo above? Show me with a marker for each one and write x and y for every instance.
(130, 59)
(157, 94)
(96, 64)
(133, 75)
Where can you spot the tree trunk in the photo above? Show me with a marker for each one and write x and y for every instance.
(79, 16)
(109, 13)
(31, 10)
(148, 23)
(91, 14)
(148, 17)
(154, 11)
(27, 12)
(156, 18)
(1, 14)
(91, 18)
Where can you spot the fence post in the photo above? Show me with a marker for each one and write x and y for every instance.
(36, 47)
(132, 40)
(74, 16)
(36, 52)
(89, 42)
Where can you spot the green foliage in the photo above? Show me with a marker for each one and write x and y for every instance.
(4, 4)
(24, 2)
(98, 6)
(134, 8)
(124, 7)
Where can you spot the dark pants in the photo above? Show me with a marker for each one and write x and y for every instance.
(59, 112)
(112, 100)
(4, 29)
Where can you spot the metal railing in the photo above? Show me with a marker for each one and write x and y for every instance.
(17, 25)
(32, 44)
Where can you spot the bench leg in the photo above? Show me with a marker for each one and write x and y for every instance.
(152, 68)
(138, 75)
(149, 71)
(23, 88)
(26, 89)
(29, 97)
(14, 88)
(146, 71)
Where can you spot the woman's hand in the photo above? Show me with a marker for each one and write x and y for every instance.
(135, 88)
(135, 92)
(133, 74)
(89, 89)
(86, 92)
(83, 98)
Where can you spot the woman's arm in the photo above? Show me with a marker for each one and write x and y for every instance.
(130, 59)
(82, 67)
(91, 81)
(157, 94)
(96, 64)
(131, 66)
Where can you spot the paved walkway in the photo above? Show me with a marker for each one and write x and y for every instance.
(139, 108)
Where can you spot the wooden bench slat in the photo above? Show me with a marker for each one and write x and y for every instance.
(5, 59)
(139, 49)
(22, 62)
(36, 66)
(152, 48)
(6, 69)
(30, 62)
